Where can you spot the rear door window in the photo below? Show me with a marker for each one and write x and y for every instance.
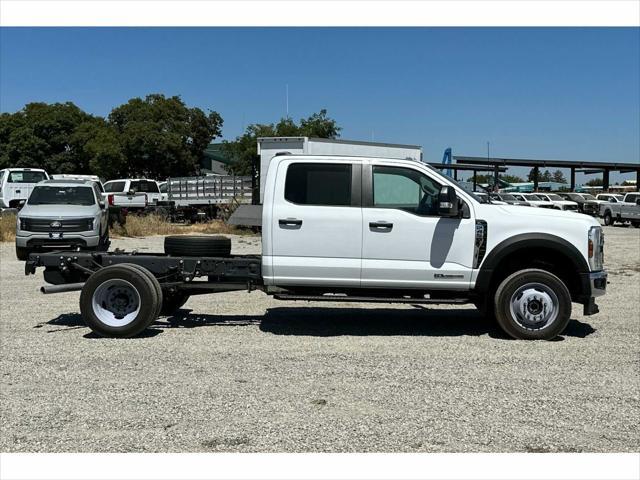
(111, 187)
(26, 176)
(318, 184)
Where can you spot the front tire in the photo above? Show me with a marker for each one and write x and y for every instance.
(22, 253)
(119, 301)
(532, 304)
(608, 219)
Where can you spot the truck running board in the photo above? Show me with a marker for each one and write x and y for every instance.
(347, 298)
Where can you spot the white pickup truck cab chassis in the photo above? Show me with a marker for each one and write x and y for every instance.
(359, 229)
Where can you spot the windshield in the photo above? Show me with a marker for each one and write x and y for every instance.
(507, 197)
(26, 176)
(588, 196)
(50, 195)
(535, 198)
(555, 197)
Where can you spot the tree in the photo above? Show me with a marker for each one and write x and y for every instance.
(244, 150)
(488, 178)
(159, 136)
(558, 176)
(595, 182)
(39, 136)
(512, 178)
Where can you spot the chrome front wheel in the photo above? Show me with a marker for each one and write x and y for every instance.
(534, 306)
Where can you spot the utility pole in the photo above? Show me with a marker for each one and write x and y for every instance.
(287, 98)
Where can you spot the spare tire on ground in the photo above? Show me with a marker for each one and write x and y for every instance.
(197, 246)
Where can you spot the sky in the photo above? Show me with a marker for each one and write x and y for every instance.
(550, 93)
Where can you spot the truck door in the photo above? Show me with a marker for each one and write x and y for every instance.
(316, 223)
(405, 243)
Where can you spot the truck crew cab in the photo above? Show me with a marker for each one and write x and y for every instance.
(363, 229)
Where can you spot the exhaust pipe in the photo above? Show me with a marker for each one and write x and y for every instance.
(68, 287)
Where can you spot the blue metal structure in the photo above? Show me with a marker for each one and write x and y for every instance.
(446, 160)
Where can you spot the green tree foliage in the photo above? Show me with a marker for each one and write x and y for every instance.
(155, 137)
(558, 176)
(595, 182)
(40, 136)
(488, 178)
(244, 150)
(545, 176)
(160, 136)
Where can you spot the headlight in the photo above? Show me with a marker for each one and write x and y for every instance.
(596, 248)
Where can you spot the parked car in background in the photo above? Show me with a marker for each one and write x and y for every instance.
(16, 185)
(610, 197)
(73, 176)
(62, 214)
(537, 201)
(509, 199)
(486, 198)
(588, 206)
(558, 202)
(132, 193)
(626, 211)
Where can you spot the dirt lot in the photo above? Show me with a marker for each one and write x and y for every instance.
(243, 372)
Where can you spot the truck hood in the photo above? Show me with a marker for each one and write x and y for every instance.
(59, 211)
(534, 214)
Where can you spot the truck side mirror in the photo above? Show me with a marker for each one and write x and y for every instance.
(447, 202)
(131, 192)
(21, 203)
(102, 205)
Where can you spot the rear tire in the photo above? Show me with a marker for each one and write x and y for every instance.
(119, 301)
(22, 253)
(532, 304)
(172, 302)
(154, 281)
(197, 246)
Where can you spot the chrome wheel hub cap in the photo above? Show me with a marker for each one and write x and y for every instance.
(534, 306)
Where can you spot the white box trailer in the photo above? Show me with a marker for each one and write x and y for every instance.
(269, 147)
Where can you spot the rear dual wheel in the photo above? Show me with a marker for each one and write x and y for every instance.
(120, 300)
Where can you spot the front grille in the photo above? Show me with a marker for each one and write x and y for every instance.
(53, 225)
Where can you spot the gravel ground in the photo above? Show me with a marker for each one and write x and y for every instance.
(243, 372)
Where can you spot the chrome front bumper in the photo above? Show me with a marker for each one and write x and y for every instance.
(598, 282)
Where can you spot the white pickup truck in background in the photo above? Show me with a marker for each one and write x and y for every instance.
(627, 210)
(131, 193)
(16, 184)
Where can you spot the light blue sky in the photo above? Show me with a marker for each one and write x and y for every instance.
(569, 93)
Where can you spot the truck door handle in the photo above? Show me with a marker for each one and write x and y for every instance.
(381, 226)
(290, 222)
